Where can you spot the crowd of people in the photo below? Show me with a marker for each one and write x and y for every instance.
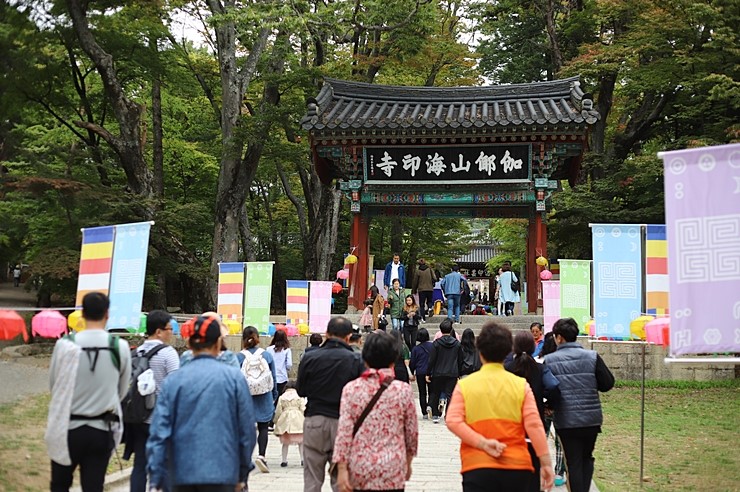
(192, 422)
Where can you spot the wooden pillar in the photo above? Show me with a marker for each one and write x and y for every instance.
(536, 246)
(358, 273)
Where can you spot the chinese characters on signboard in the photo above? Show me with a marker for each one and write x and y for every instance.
(460, 164)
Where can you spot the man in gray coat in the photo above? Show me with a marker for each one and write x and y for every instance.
(582, 374)
(423, 283)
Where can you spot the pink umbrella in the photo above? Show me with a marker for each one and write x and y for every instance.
(12, 325)
(658, 331)
(49, 324)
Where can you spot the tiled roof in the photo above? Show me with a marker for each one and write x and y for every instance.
(345, 105)
(479, 254)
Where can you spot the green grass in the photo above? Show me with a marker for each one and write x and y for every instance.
(691, 431)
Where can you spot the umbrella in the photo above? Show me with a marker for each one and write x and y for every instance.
(12, 325)
(658, 331)
(49, 324)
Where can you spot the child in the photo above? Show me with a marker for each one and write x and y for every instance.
(289, 420)
(366, 320)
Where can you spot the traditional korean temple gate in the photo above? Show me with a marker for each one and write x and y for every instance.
(496, 151)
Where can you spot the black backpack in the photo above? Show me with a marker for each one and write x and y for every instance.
(136, 407)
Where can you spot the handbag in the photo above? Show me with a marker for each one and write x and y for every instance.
(515, 285)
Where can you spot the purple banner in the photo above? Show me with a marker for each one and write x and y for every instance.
(550, 303)
(702, 205)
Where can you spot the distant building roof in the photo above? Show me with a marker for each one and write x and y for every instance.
(347, 105)
(479, 254)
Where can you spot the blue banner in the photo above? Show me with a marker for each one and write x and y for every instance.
(617, 252)
(130, 250)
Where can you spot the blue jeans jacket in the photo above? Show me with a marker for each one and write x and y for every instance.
(203, 426)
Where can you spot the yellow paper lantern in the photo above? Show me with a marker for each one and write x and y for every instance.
(541, 261)
(234, 327)
(350, 260)
(303, 328)
(75, 321)
(637, 326)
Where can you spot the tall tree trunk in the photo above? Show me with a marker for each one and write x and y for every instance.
(396, 235)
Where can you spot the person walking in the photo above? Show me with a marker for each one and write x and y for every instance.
(419, 367)
(444, 369)
(322, 375)
(89, 376)
(289, 421)
(394, 270)
(377, 436)
(202, 430)
(508, 297)
(366, 320)
(582, 374)
(548, 347)
(17, 272)
(264, 403)
(280, 350)
(423, 285)
(492, 412)
(410, 316)
(396, 302)
(452, 287)
(470, 358)
(163, 360)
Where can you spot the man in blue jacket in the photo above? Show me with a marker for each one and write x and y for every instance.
(394, 269)
(452, 286)
(203, 427)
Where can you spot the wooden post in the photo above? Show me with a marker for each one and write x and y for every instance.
(358, 273)
(536, 246)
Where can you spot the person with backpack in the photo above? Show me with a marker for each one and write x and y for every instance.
(419, 367)
(453, 285)
(258, 368)
(322, 375)
(89, 376)
(202, 430)
(158, 359)
(470, 359)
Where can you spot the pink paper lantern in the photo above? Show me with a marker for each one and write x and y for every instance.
(545, 274)
(291, 330)
(49, 324)
(658, 331)
(343, 274)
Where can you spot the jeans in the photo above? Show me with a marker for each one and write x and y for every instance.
(396, 324)
(89, 448)
(453, 306)
(509, 308)
(425, 302)
(578, 446)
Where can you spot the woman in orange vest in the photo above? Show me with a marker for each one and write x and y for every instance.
(493, 412)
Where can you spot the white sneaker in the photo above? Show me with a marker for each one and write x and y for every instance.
(435, 420)
(261, 464)
(429, 412)
(442, 407)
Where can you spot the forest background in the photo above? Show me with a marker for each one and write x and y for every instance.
(187, 113)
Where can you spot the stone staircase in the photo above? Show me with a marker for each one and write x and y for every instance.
(514, 323)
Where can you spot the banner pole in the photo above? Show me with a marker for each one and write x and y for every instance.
(642, 420)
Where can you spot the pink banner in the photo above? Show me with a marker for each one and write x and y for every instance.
(702, 207)
(319, 305)
(550, 303)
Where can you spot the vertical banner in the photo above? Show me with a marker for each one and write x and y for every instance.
(575, 291)
(379, 278)
(617, 254)
(550, 303)
(96, 258)
(656, 270)
(231, 290)
(319, 305)
(296, 308)
(702, 208)
(130, 251)
(258, 292)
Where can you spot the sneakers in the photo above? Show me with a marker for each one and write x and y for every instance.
(435, 420)
(429, 413)
(559, 480)
(442, 407)
(283, 464)
(423, 321)
(261, 464)
(271, 428)
(425, 417)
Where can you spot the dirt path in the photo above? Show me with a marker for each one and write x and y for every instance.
(21, 379)
(16, 296)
